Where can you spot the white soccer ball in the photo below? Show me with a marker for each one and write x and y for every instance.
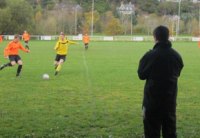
(45, 76)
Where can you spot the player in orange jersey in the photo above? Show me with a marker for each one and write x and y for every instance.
(12, 52)
(1, 38)
(26, 38)
(86, 40)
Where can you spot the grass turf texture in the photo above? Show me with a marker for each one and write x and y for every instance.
(96, 94)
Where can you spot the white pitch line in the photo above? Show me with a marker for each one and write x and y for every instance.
(87, 71)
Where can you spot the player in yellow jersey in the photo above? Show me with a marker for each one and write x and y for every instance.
(61, 48)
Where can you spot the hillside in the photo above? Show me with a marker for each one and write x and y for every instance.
(75, 16)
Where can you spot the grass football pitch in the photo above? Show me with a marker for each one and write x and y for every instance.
(97, 94)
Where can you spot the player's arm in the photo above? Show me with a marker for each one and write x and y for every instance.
(23, 37)
(29, 37)
(56, 46)
(24, 49)
(6, 51)
(71, 42)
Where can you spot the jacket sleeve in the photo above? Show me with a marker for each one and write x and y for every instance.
(145, 66)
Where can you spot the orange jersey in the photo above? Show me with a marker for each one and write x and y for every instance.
(12, 48)
(26, 37)
(86, 39)
(1, 38)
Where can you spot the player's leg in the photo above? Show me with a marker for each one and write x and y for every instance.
(56, 64)
(56, 61)
(19, 67)
(26, 45)
(5, 65)
(86, 46)
(19, 62)
(9, 64)
(59, 66)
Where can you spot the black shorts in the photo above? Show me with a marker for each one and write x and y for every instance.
(26, 42)
(59, 57)
(15, 58)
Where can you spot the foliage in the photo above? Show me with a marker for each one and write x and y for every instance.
(21, 16)
(47, 4)
(112, 25)
(39, 11)
(5, 20)
(2, 3)
(167, 8)
(99, 5)
(88, 18)
(149, 6)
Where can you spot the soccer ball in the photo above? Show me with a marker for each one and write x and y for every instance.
(45, 76)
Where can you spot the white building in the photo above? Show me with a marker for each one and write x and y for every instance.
(126, 8)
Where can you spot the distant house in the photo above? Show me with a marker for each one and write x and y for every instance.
(126, 8)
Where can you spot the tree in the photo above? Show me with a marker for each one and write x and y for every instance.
(2, 3)
(149, 6)
(100, 6)
(47, 4)
(38, 20)
(111, 24)
(113, 27)
(194, 27)
(5, 20)
(88, 19)
(22, 16)
(167, 8)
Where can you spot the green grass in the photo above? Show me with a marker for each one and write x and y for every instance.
(96, 95)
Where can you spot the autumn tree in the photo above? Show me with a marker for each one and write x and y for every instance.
(112, 25)
(88, 21)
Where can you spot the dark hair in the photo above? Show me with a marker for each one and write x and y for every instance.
(16, 36)
(161, 33)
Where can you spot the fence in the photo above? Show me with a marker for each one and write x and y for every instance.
(106, 38)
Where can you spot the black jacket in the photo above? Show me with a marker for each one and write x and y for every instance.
(161, 68)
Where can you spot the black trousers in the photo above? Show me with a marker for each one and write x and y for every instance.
(154, 122)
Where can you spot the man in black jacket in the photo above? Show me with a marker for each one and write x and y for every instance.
(160, 67)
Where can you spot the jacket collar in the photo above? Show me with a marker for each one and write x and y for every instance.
(166, 44)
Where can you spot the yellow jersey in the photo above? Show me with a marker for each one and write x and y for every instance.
(62, 46)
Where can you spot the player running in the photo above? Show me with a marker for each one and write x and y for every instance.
(26, 38)
(11, 52)
(86, 40)
(61, 48)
